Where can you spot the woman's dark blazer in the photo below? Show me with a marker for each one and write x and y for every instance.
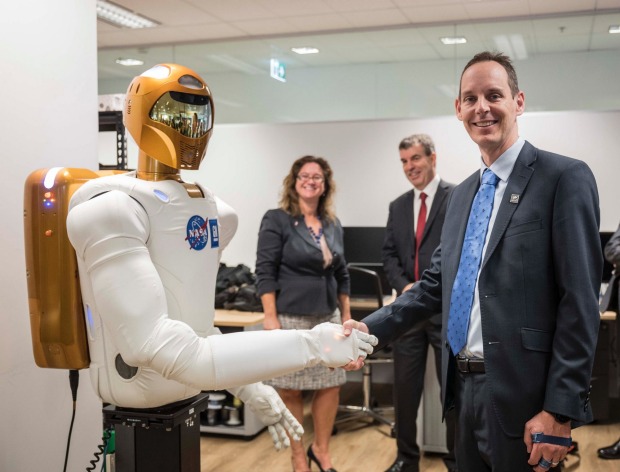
(290, 263)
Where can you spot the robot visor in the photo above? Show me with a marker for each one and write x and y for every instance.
(189, 114)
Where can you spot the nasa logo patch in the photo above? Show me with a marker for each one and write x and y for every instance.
(197, 233)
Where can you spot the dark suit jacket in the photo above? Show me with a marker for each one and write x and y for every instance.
(398, 251)
(538, 287)
(290, 263)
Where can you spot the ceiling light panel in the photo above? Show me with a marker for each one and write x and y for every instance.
(305, 50)
(449, 40)
(129, 62)
(119, 16)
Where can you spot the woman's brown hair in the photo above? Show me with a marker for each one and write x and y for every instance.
(289, 199)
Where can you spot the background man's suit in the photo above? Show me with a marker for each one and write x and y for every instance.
(410, 350)
(538, 287)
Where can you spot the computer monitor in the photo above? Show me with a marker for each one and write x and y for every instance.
(362, 244)
(362, 248)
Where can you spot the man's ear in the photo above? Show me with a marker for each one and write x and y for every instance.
(520, 101)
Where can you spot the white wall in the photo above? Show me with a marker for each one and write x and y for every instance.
(245, 164)
(48, 90)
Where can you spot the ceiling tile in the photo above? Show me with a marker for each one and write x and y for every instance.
(229, 10)
(359, 5)
(496, 9)
(285, 8)
(332, 21)
(265, 26)
(431, 14)
(538, 7)
(375, 18)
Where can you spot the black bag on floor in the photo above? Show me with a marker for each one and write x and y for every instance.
(225, 296)
(246, 299)
(235, 289)
(229, 276)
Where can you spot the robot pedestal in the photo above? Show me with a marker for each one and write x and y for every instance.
(166, 438)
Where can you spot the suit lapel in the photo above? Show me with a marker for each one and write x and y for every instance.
(406, 214)
(518, 180)
(300, 227)
(329, 232)
(440, 195)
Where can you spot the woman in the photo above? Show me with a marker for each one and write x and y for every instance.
(303, 280)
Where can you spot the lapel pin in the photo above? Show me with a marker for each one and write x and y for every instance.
(514, 198)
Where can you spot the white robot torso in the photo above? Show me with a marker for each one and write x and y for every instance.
(151, 251)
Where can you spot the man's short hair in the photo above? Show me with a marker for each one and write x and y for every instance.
(503, 60)
(423, 139)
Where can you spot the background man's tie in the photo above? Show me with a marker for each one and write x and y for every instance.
(419, 232)
(471, 255)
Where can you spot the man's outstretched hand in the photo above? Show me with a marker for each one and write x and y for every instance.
(349, 326)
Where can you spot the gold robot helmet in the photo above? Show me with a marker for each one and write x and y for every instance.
(169, 113)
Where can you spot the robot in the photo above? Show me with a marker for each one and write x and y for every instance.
(148, 247)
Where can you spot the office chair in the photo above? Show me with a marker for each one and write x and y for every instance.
(366, 410)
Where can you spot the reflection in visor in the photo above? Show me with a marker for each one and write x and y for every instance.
(189, 114)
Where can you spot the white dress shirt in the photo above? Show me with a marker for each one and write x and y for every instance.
(502, 167)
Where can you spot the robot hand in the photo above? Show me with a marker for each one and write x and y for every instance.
(270, 409)
(334, 349)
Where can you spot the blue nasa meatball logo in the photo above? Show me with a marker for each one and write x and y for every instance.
(197, 232)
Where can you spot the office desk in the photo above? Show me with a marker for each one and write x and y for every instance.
(608, 316)
(237, 319)
(368, 304)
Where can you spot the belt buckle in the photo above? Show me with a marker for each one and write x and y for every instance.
(465, 360)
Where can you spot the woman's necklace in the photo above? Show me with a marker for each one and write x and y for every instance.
(315, 236)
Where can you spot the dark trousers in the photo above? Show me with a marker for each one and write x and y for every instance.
(410, 352)
(481, 445)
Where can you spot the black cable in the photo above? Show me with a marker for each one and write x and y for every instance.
(103, 448)
(74, 380)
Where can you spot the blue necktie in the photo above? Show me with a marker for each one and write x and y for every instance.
(471, 255)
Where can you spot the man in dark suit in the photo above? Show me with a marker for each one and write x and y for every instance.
(518, 351)
(611, 302)
(412, 235)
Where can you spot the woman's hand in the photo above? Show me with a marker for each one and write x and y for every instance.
(345, 306)
(271, 315)
(271, 322)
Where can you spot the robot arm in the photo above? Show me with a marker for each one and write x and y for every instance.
(109, 234)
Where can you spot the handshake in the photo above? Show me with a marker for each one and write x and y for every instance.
(335, 346)
(329, 344)
(278, 352)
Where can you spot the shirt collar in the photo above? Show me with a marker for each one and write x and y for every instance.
(431, 188)
(504, 164)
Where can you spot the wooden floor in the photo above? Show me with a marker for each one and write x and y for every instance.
(359, 448)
